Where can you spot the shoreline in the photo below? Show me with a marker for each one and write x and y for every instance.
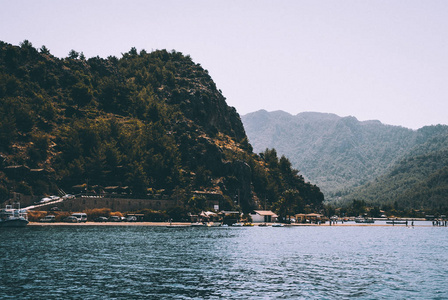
(184, 224)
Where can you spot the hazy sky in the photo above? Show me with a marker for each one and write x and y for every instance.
(384, 60)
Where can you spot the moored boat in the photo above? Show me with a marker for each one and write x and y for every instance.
(198, 224)
(214, 224)
(237, 225)
(364, 220)
(13, 217)
(393, 222)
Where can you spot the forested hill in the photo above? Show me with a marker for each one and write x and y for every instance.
(418, 181)
(339, 153)
(153, 122)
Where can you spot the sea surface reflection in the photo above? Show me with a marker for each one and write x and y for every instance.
(137, 262)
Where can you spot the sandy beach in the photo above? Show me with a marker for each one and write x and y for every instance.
(174, 224)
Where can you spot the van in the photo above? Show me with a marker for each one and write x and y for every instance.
(82, 217)
(48, 219)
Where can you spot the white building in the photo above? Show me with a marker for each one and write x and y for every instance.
(263, 216)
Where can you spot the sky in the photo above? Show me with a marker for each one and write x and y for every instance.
(381, 60)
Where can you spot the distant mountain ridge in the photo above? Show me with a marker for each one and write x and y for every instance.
(339, 153)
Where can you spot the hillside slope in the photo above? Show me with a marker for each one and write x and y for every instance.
(418, 181)
(153, 123)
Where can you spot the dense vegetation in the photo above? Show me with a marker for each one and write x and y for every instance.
(154, 122)
(417, 182)
(383, 166)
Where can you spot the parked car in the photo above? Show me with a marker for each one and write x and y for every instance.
(68, 196)
(101, 219)
(81, 217)
(114, 219)
(71, 219)
(44, 200)
(131, 219)
(54, 198)
(47, 219)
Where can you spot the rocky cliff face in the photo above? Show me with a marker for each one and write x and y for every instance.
(201, 101)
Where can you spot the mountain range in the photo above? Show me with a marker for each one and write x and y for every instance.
(351, 159)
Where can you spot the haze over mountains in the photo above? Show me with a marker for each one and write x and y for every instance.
(348, 158)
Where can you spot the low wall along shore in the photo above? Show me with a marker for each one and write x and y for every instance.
(81, 203)
(116, 204)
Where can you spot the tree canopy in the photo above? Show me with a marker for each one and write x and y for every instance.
(151, 122)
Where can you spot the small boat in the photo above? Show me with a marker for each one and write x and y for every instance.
(248, 224)
(214, 224)
(396, 222)
(278, 225)
(198, 224)
(263, 225)
(364, 220)
(237, 225)
(13, 217)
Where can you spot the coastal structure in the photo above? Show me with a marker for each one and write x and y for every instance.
(83, 202)
(115, 201)
(13, 217)
(308, 218)
(263, 216)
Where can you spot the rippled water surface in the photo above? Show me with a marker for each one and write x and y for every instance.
(133, 262)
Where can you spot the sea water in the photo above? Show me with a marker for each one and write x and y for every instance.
(138, 262)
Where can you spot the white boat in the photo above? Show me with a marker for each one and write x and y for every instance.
(198, 224)
(278, 225)
(393, 222)
(364, 220)
(13, 217)
(237, 224)
(214, 224)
